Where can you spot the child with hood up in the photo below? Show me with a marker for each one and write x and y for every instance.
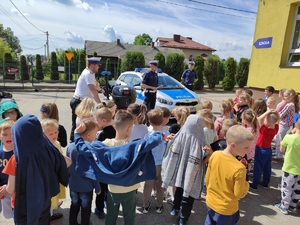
(10, 110)
(183, 166)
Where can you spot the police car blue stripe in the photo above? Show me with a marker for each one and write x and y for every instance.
(178, 94)
(140, 95)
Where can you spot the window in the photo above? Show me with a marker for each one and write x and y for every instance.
(128, 78)
(136, 80)
(294, 52)
(122, 77)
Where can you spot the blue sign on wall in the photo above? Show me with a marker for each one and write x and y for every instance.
(263, 42)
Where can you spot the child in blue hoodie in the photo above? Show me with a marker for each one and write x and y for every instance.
(156, 119)
(81, 188)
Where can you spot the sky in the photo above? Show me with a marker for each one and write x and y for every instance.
(71, 22)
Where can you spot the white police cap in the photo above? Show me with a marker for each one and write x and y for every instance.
(191, 63)
(94, 60)
(153, 62)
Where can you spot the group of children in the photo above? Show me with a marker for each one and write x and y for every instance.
(114, 151)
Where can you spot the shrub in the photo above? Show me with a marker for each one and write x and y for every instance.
(161, 60)
(24, 68)
(132, 60)
(199, 67)
(211, 70)
(54, 75)
(175, 65)
(119, 65)
(242, 72)
(8, 61)
(230, 70)
(39, 69)
(81, 63)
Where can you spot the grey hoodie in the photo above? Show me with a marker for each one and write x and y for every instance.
(182, 164)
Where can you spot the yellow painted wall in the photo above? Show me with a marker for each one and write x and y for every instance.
(275, 19)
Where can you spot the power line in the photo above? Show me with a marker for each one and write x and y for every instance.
(25, 17)
(223, 7)
(33, 48)
(185, 6)
(52, 42)
(15, 22)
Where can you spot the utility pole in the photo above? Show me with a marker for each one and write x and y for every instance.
(47, 44)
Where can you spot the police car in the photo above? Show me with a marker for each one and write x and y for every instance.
(172, 94)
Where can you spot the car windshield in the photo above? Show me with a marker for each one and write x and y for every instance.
(169, 82)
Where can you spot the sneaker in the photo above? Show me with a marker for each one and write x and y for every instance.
(146, 209)
(253, 187)
(281, 208)
(55, 217)
(170, 200)
(159, 209)
(99, 214)
(292, 209)
(174, 212)
(260, 183)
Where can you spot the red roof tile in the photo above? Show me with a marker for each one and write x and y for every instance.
(184, 42)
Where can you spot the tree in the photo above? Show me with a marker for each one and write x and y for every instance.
(119, 65)
(161, 60)
(39, 68)
(54, 67)
(199, 67)
(242, 72)
(9, 37)
(81, 63)
(8, 62)
(24, 68)
(4, 47)
(175, 65)
(132, 60)
(107, 64)
(142, 39)
(230, 71)
(211, 70)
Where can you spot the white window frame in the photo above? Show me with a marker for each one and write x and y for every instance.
(293, 52)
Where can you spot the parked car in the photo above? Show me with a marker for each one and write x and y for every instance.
(171, 95)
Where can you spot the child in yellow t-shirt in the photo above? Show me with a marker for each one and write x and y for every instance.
(50, 129)
(222, 196)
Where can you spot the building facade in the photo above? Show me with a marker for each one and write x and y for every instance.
(275, 58)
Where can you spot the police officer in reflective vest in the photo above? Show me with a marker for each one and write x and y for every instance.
(150, 83)
(189, 76)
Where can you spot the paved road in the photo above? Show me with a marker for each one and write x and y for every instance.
(256, 208)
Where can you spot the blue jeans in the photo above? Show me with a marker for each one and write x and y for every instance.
(262, 165)
(214, 218)
(81, 200)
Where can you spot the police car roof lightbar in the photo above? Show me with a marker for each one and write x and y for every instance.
(104, 73)
(142, 70)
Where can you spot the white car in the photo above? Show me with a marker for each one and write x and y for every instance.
(171, 95)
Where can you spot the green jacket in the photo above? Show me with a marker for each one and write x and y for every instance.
(9, 105)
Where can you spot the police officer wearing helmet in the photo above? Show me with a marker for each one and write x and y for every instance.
(150, 83)
(189, 76)
(86, 86)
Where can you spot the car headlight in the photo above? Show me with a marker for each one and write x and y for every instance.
(164, 101)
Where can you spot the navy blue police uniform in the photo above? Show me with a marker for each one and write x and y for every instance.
(150, 78)
(189, 77)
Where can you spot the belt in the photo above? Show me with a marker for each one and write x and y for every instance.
(76, 97)
(189, 84)
(150, 91)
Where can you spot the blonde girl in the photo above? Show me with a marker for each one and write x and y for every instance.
(287, 116)
(138, 111)
(84, 110)
(50, 129)
(243, 104)
(180, 113)
(225, 110)
(249, 120)
(281, 104)
(210, 134)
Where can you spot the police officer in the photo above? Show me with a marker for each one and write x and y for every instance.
(150, 83)
(87, 86)
(189, 76)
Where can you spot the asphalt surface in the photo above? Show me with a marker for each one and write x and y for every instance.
(256, 208)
